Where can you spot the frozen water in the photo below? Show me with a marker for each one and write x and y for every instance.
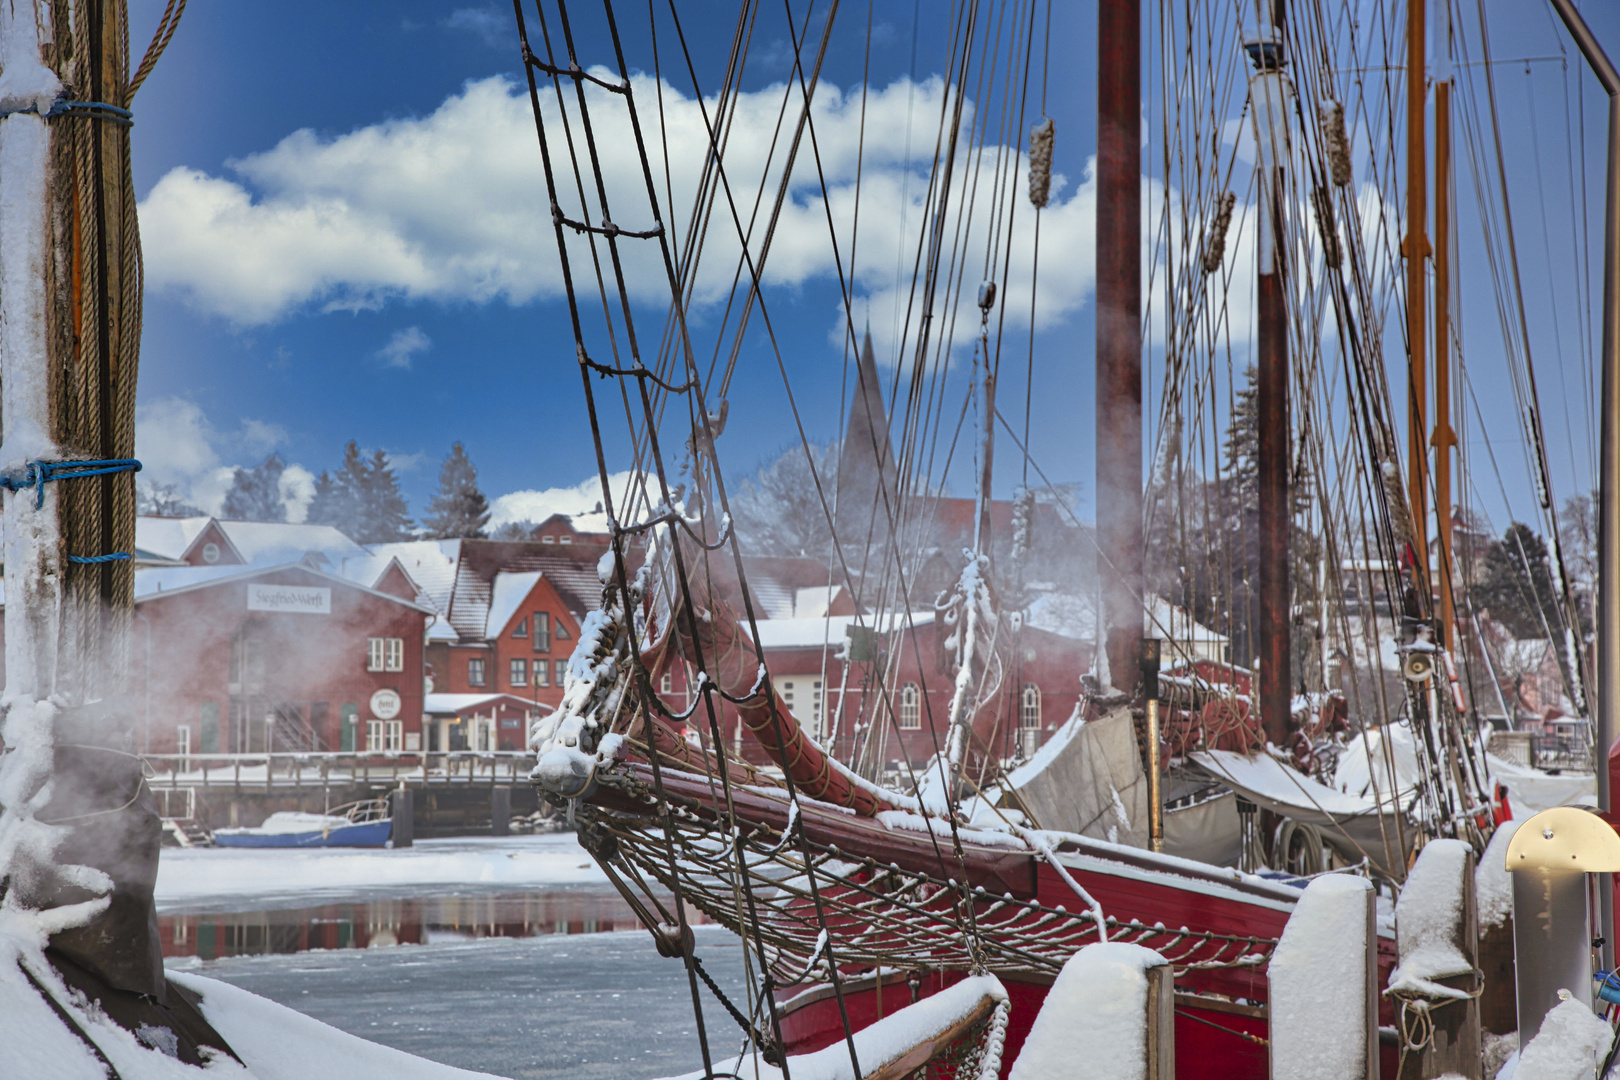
(500, 1005)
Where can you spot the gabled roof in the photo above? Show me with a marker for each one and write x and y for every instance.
(506, 596)
(165, 581)
(256, 543)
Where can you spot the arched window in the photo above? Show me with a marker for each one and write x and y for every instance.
(910, 707)
(1029, 707)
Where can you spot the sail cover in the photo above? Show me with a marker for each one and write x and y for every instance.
(1349, 823)
(1087, 779)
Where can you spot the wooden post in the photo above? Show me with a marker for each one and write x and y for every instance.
(1437, 917)
(1330, 941)
(1445, 439)
(1416, 250)
(1113, 1000)
(401, 810)
(500, 811)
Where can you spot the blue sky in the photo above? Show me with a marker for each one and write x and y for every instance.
(336, 199)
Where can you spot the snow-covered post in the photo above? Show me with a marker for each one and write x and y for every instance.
(1493, 892)
(1549, 857)
(1437, 933)
(1109, 1016)
(1324, 985)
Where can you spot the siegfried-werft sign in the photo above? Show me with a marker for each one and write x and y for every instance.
(303, 599)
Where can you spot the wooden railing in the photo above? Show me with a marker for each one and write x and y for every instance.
(297, 770)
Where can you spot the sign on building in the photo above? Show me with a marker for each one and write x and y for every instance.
(305, 599)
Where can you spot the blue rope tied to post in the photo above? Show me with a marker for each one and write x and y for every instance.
(114, 557)
(96, 110)
(36, 474)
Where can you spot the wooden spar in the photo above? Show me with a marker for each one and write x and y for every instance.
(1445, 439)
(1119, 336)
(1416, 249)
(1273, 632)
(737, 671)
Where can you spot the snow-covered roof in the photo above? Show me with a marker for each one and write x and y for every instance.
(832, 631)
(1177, 624)
(261, 542)
(168, 537)
(258, 542)
(816, 601)
(455, 704)
(431, 564)
(506, 596)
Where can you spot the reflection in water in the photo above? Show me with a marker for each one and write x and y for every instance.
(375, 923)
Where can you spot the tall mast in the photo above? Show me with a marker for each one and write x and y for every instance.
(1268, 92)
(1119, 335)
(1416, 250)
(1445, 439)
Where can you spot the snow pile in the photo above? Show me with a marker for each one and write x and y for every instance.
(262, 1033)
(1364, 766)
(1493, 885)
(565, 742)
(293, 821)
(877, 1045)
(1428, 922)
(36, 1041)
(1319, 984)
(1095, 1015)
(1570, 1045)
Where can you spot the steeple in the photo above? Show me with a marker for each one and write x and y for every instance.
(865, 465)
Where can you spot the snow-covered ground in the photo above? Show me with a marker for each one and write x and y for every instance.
(593, 1006)
(198, 879)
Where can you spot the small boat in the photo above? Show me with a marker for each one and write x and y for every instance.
(359, 824)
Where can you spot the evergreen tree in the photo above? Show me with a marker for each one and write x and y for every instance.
(337, 500)
(1516, 584)
(163, 500)
(255, 494)
(384, 517)
(459, 509)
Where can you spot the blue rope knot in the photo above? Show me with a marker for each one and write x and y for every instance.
(95, 110)
(36, 474)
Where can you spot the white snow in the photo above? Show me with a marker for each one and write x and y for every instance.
(1493, 885)
(277, 1043)
(1319, 978)
(1570, 1045)
(190, 876)
(1094, 1016)
(878, 1044)
(293, 821)
(1427, 919)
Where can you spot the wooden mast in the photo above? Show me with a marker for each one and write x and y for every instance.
(1268, 100)
(1416, 249)
(1445, 438)
(1119, 337)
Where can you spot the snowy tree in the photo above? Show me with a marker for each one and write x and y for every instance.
(514, 530)
(384, 517)
(459, 509)
(162, 500)
(361, 499)
(778, 510)
(255, 494)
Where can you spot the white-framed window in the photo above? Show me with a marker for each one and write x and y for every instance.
(394, 736)
(475, 671)
(565, 539)
(561, 667)
(542, 672)
(1029, 706)
(521, 630)
(182, 744)
(666, 685)
(541, 624)
(910, 707)
(210, 553)
(375, 734)
(519, 673)
(385, 654)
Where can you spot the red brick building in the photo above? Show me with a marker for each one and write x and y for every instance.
(231, 659)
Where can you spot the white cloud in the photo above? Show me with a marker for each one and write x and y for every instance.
(492, 26)
(177, 445)
(451, 207)
(584, 497)
(404, 345)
